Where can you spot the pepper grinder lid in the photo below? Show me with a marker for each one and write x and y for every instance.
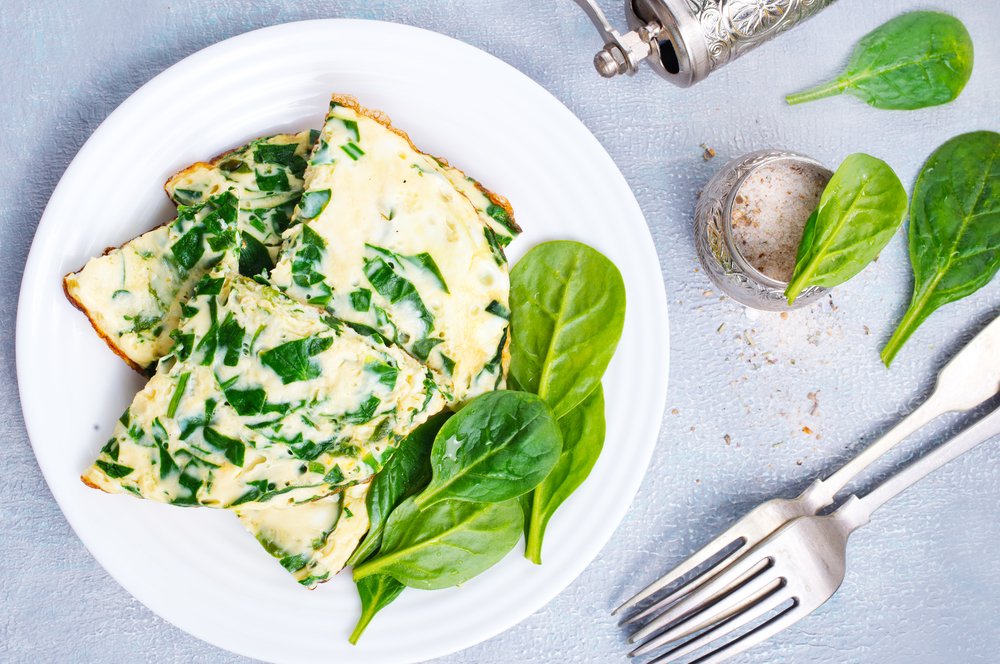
(686, 40)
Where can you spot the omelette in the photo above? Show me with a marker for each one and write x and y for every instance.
(262, 401)
(423, 324)
(403, 247)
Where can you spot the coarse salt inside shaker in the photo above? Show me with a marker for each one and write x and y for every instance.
(749, 221)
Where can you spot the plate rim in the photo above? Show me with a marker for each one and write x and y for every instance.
(33, 275)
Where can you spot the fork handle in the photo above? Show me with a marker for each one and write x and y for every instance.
(824, 491)
(985, 429)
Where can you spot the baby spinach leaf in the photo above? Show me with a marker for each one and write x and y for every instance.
(406, 473)
(915, 60)
(500, 445)
(377, 592)
(567, 305)
(583, 437)
(858, 213)
(954, 228)
(445, 544)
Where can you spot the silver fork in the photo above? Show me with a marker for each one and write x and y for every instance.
(969, 379)
(792, 572)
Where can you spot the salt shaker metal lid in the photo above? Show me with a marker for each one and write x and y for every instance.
(686, 40)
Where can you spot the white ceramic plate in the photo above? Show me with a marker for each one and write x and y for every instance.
(196, 567)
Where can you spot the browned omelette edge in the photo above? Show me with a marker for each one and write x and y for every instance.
(107, 340)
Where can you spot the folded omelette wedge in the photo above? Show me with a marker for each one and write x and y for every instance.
(133, 295)
(262, 401)
(232, 209)
(398, 244)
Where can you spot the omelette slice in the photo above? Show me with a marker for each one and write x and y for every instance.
(312, 541)
(263, 401)
(402, 246)
(133, 294)
(267, 173)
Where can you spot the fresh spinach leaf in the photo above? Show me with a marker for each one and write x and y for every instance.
(860, 209)
(567, 305)
(377, 592)
(500, 445)
(954, 228)
(583, 431)
(916, 60)
(446, 544)
(406, 473)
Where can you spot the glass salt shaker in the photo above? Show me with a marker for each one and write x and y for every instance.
(769, 194)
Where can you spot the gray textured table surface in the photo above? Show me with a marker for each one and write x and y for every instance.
(923, 578)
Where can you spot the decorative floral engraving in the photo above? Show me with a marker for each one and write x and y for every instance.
(733, 27)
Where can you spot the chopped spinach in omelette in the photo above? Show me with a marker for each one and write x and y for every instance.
(312, 541)
(403, 248)
(268, 174)
(262, 401)
(133, 295)
(274, 409)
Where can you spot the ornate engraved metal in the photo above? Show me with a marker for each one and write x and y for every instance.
(713, 238)
(733, 27)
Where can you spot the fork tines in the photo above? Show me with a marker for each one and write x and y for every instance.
(710, 608)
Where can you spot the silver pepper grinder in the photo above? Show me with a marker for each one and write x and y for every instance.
(686, 40)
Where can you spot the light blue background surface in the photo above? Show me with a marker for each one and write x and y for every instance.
(923, 579)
